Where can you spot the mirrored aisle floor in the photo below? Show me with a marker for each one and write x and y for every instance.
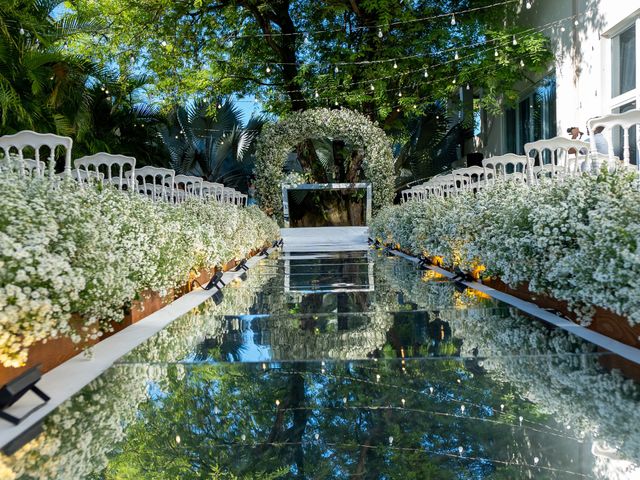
(347, 365)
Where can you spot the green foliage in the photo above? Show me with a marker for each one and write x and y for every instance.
(196, 48)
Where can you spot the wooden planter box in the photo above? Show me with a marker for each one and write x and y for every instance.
(53, 352)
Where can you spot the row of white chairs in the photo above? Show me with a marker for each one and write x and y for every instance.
(119, 171)
(556, 158)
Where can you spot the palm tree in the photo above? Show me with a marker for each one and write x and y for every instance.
(39, 80)
(209, 140)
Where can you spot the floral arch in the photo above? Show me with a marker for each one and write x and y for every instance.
(277, 140)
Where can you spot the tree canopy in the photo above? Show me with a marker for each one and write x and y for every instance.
(387, 58)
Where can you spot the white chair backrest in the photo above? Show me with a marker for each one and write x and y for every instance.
(626, 121)
(557, 151)
(497, 167)
(213, 190)
(18, 142)
(469, 178)
(154, 182)
(189, 184)
(112, 167)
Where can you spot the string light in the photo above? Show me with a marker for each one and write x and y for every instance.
(460, 450)
(468, 87)
(395, 65)
(163, 43)
(453, 19)
(372, 87)
(268, 69)
(336, 70)
(317, 94)
(495, 53)
(178, 439)
(21, 31)
(426, 73)
(528, 5)
(522, 63)
(399, 94)
(380, 34)
(306, 39)
(336, 103)
(456, 56)
(454, 82)
(515, 42)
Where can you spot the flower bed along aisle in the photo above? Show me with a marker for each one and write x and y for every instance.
(574, 241)
(74, 261)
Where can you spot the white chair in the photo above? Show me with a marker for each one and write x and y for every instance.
(626, 121)
(103, 164)
(189, 185)
(212, 190)
(13, 148)
(469, 179)
(156, 183)
(498, 168)
(566, 157)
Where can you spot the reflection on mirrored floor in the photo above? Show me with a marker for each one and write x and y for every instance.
(347, 365)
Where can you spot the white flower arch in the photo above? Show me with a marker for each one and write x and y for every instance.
(278, 139)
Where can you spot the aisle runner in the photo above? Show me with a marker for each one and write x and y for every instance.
(325, 239)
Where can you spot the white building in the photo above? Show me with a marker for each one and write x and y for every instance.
(595, 72)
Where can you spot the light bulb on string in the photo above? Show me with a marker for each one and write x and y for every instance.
(562, 29)
(426, 73)
(306, 39)
(380, 34)
(528, 5)
(317, 94)
(468, 87)
(372, 87)
(268, 70)
(515, 42)
(576, 23)
(456, 56)
(336, 69)
(336, 103)
(522, 63)
(399, 94)
(453, 19)
(21, 31)
(495, 53)
(453, 81)
(395, 65)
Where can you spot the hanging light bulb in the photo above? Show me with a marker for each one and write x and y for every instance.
(528, 5)
(399, 94)
(316, 94)
(380, 34)
(132, 59)
(468, 87)
(268, 69)
(336, 70)
(306, 39)
(426, 73)
(515, 42)
(336, 103)
(21, 31)
(562, 29)
(453, 19)
(522, 63)
(163, 43)
(576, 23)
(178, 439)
(456, 56)
(495, 53)
(372, 87)
(395, 65)
(453, 81)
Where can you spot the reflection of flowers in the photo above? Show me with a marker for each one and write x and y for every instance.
(294, 178)
(575, 240)
(82, 431)
(277, 139)
(89, 251)
(547, 366)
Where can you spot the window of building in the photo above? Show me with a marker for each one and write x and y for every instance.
(624, 62)
(534, 118)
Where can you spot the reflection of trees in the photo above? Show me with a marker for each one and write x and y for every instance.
(339, 420)
(558, 372)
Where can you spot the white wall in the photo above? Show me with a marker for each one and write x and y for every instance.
(583, 59)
